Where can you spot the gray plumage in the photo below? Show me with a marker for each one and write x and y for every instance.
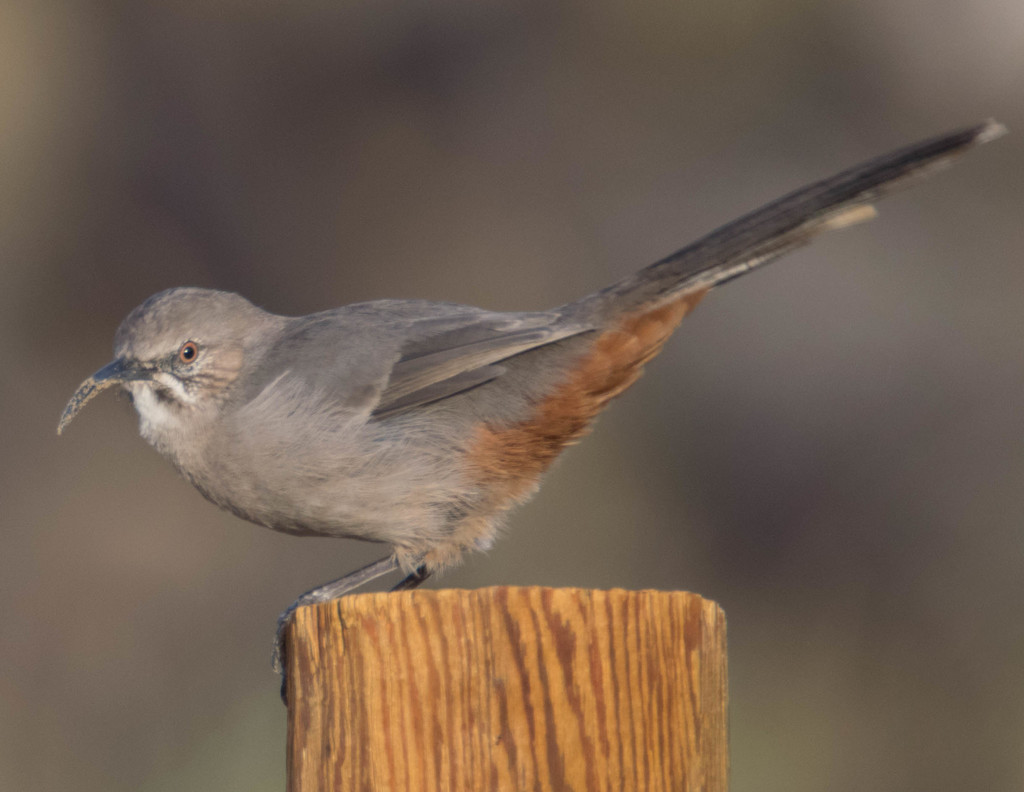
(360, 421)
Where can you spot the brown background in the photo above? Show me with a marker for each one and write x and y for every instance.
(833, 449)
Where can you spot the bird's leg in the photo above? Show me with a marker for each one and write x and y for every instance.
(413, 579)
(327, 591)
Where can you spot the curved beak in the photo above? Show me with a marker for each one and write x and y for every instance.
(115, 373)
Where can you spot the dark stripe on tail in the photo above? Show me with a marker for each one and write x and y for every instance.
(780, 226)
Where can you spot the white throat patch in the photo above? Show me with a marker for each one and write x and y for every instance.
(158, 417)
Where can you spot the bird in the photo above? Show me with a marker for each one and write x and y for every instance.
(418, 424)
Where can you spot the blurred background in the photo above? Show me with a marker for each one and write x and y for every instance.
(832, 448)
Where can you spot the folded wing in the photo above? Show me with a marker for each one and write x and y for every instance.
(447, 361)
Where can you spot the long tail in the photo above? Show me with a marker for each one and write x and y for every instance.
(781, 226)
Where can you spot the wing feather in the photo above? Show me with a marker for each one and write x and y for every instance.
(447, 363)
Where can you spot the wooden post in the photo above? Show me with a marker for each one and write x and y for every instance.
(508, 689)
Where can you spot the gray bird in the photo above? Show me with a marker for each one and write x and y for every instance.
(420, 424)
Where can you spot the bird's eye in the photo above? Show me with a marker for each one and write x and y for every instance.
(189, 352)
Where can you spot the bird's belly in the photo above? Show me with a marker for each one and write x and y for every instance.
(360, 486)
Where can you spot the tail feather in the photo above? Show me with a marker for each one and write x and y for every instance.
(781, 226)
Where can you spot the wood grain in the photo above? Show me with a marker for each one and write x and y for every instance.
(508, 689)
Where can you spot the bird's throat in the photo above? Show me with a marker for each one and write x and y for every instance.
(163, 420)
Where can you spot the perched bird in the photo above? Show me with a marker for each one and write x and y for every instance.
(420, 424)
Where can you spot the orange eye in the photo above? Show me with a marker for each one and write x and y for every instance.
(189, 352)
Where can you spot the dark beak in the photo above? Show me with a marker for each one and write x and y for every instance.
(115, 373)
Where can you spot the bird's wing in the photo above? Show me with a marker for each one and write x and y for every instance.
(442, 361)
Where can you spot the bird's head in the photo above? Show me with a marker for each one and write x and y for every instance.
(177, 354)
